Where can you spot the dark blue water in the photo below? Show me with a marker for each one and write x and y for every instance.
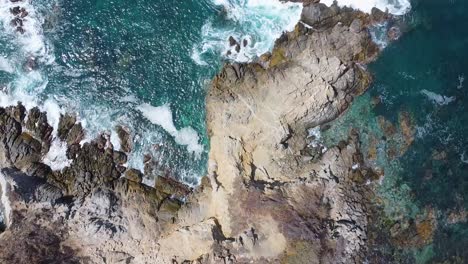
(106, 59)
(414, 127)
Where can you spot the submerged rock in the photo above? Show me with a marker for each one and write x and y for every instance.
(261, 201)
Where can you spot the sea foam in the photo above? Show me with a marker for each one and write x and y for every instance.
(254, 24)
(395, 7)
(32, 41)
(162, 116)
(437, 98)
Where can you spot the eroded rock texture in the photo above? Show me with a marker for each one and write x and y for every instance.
(271, 195)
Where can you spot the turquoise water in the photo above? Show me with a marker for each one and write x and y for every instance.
(419, 81)
(141, 64)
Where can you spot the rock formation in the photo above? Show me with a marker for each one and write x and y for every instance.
(270, 196)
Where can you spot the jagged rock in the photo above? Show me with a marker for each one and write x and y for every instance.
(15, 10)
(260, 202)
(37, 124)
(232, 41)
(17, 112)
(66, 122)
(125, 138)
(134, 175)
(75, 135)
(21, 31)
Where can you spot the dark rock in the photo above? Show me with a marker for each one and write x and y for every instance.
(238, 48)
(73, 150)
(91, 167)
(120, 158)
(172, 187)
(17, 112)
(394, 33)
(15, 10)
(134, 175)
(16, 22)
(20, 30)
(75, 135)
(125, 138)
(37, 124)
(378, 15)
(232, 41)
(66, 122)
(356, 26)
(24, 13)
(30, 64)
(24, 151)
(245, 42)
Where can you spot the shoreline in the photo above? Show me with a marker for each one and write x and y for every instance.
(255, 202)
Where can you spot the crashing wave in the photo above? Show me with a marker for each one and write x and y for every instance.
(395, 7)
(250, 29)
(437, 98)
(31, 40)
(162, 116)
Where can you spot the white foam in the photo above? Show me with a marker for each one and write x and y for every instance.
(162, 116)
(32, 41)
(461, 80)
(395, 7)
(56, 158)
(378, 34)
(316, 135)
(5, 200)
(259, 22)
(437, 98)
(5, 65)
(53, 111)
(463, 159)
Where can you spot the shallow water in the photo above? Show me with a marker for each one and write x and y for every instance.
(417, 134)
(141, 64)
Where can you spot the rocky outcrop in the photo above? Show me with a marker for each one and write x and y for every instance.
(272, 195)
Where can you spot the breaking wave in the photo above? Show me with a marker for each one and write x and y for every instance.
(395, 7)
(245, 29)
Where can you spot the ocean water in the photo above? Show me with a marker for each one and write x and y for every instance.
(413, 124)
(144, 65)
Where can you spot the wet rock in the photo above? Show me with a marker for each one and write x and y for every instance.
(387, 127)
(356, 26)
(232, 41)
(126, 142)
(24, 13)
(245, 42)
(15, 10)
(20, 30)
(30, 64)
(75, 135)
(407, 127)
(171, 186)
(37, 124)
(17, 112)
(237, 48)
(119, 157)
(73, 150)
(376, 100)
(394, 33)
(92, 167)
(378, 15)
(66, 122)
(286, 209)
(16, 22)
(134, 175)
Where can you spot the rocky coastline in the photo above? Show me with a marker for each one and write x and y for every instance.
(271, 195)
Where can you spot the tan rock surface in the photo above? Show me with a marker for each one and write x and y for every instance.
(270, 195)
